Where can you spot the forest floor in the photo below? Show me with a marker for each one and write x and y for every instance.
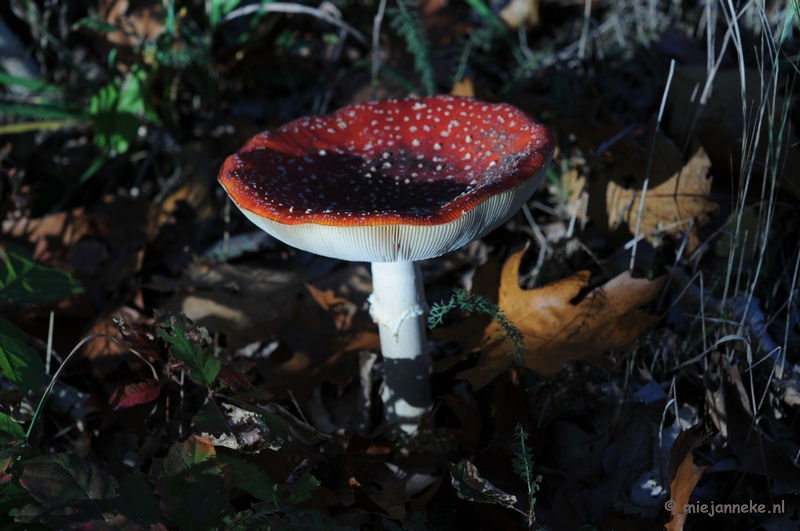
(166, 365)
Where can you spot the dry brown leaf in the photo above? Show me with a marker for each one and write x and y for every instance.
(52, 237)
(524, 13)
(730, 409)
(340, 309)
(670, 206)
(618, 163)
(684, 475)
(464, 88)
(556, 330)
(137, 20)
(250, 305)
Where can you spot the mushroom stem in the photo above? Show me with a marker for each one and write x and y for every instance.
(397, 305)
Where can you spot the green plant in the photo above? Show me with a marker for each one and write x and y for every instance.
(471, 486)
(524, 467)
(188, 489)
(470, 303)
(23, 281)
(405, 19)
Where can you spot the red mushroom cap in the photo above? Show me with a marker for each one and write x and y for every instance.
(388, 169)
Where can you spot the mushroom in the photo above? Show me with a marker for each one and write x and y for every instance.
(392, 182)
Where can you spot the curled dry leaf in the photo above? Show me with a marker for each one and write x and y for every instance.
(684, 475)
(556, 330)
(471, 486)
(669, 207)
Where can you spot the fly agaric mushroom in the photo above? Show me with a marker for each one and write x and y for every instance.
(391, 182)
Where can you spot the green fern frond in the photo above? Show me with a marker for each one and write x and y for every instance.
(471, 303)
(524, 467)
(405, 20)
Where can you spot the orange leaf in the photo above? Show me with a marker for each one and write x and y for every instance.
(684, 475)
(340, 309)
(464, 88)
(556, 330)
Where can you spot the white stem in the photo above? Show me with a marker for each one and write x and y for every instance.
(397, 305)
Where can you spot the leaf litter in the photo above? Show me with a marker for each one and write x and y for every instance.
(251, 399)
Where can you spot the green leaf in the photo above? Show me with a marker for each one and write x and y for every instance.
(219, 9)
(35, 85)
(209, 420)
(9, 430)
(190, 345)
(301, 489)
(249, 478)
(19, 362)
(253, 519)
(183, 456)
(137, 500)
(309, 520)
(44, 110)
(118, 109)
(23, 280)
(12, 495)
(65, 481)
(191, 485)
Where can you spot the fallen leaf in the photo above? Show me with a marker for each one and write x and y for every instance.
(471, 486)
(341, 309)
(102, 246)
(607, 175)
(137, 20)
(321, 328)
(521, 13)
(104, 346)
(464, 87)
(466, 411)
(52, 237)
(669, 207)
(730, 410)
(556, 330)
(684, 475)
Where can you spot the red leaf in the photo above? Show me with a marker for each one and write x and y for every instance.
(137, 393)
